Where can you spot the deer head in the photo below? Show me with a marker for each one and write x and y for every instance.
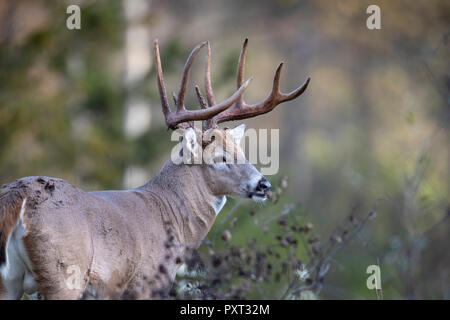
(225, 170)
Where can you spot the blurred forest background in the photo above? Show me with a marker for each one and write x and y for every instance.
(372, 129)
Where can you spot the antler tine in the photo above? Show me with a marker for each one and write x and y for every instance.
(201, 100)
(243, 111)
(283, 97)
(276, 96)
(209, 123)
(240, 78)
(205, 114)
(240, 71)
(208, 86)
(185, 77)
(174, 96)
(161, 84)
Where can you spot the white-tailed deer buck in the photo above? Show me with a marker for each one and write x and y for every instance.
(60, 242)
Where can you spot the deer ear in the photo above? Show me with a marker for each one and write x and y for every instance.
(190, 143)
(237, 133)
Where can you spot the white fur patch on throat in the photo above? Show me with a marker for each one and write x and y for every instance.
(218, 203)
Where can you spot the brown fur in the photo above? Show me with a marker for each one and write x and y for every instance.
(122, 232)
(123, 243)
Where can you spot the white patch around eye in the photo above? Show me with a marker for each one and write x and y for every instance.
(218, 203)
(221, 159)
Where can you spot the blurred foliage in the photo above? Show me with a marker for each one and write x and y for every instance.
(372, 128)
(286, 259)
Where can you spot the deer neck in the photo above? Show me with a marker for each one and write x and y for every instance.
(191, 207)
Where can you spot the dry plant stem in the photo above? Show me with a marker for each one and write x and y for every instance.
(322, 265)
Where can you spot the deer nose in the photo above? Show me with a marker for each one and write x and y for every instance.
(263, 185)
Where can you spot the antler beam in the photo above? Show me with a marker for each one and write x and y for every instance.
(181, 116)
(210, 111)
(241, 110)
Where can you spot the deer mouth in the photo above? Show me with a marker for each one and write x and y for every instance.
(260, 191)
(257, 195)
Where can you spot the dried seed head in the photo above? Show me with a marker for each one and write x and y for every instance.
(308, 227)
(284, 182)
(282, 221)
(336, 239)
(226, 236)
(233, 222)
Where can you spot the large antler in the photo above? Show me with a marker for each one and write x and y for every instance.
(241, 110)
(181, 116)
